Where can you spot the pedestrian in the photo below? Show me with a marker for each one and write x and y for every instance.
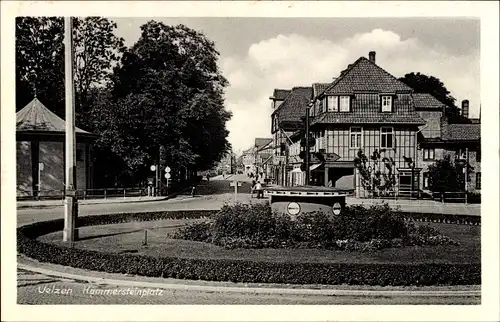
(258, 188)
(193, 191)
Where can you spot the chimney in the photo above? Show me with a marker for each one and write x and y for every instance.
(465, 108)
(371, 56)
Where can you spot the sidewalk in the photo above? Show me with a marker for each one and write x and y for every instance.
(421, 206)
(59, 202)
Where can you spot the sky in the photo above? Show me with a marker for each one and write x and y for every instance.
(258, 55)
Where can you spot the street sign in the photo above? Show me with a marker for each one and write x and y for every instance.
(151, 180)
(153, 168)
(293, 208)
(167, 169)
(336, 208)
(167, 175)
(232, 184)
(40, 166)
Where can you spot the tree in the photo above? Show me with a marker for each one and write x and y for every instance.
(170, 84)
(40, 60)
(97, 52)
(431, 85)
(447, 176)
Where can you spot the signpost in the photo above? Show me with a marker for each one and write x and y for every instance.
(167, 176)
(40, 169)
(235, 184)
(336, 208)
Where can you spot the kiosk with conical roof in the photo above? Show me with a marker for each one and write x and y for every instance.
(40, 153)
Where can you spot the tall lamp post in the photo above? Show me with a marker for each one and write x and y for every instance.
(70, 233)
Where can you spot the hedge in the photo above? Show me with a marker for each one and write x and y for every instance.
(232, 270)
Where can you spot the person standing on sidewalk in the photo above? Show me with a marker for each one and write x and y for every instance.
(258, 188)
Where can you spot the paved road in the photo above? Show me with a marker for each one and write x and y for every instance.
(35, 288)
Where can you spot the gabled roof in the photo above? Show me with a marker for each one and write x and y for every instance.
(262, 142)
(462, 132)
(425, 101)
(294, 106)
(38, 118)
(319, 88)
(280, 94)
(365, 76)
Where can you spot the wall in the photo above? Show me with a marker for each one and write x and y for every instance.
(337, 141)
(52, 175)
(24, 169)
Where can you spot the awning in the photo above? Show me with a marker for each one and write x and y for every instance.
(296, 170)
(315, 166)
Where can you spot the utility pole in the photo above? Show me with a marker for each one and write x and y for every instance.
(306, 159)
(466, 172)
(70, 233)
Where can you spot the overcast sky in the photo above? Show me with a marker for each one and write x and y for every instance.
(260, 54)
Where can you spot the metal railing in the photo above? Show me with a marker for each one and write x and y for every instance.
(83, 194)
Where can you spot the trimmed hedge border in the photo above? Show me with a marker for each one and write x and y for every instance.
(231, 270)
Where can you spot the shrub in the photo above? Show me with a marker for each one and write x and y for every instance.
(233, 270)
(357, 229)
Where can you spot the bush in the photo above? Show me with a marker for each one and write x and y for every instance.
(357, 229)
(233, 270)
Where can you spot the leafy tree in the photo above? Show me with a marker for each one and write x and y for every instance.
(40, 60)
(170, 83)
(447, 176)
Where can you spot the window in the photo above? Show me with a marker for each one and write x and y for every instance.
(345, 102)
(426, 180)
(386, 137)
(428, 154)
(478, 156)
(333, 104)
(323, 107)
(355, 137)
(386, 104)
(478, 180)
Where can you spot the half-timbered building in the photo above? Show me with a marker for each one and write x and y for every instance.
(369, 109)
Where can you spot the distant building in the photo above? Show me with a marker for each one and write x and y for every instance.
(439, 137)
(40, 137)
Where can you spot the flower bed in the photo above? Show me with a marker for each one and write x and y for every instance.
(233, 270)
(357, 229)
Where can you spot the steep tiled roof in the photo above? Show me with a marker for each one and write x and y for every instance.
(319, 88)
(281, 94)
(425, 101)
(462, 132)
(294, 106)
(261, 142)
(366, 110)
(36, 117)
(366, 76)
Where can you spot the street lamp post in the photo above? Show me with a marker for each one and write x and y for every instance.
(70, 233)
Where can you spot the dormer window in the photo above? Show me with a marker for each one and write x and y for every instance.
(345, 104)
(386, 103)
(333, 105)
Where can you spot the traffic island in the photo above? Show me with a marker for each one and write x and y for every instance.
(113, 244)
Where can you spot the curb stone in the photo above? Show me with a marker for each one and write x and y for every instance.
(461, 291)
